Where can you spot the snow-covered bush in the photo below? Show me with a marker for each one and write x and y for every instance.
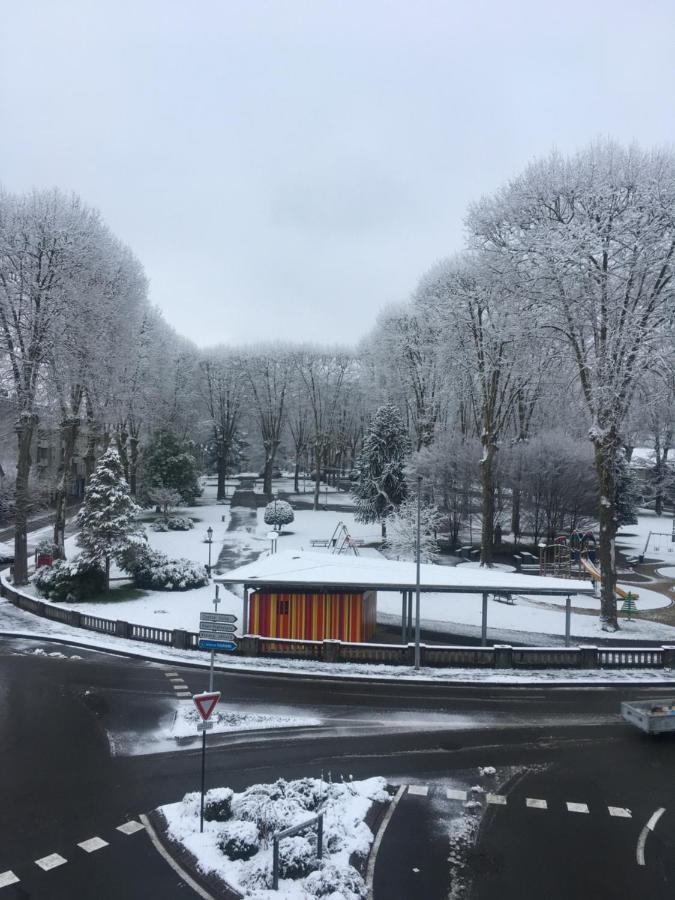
(79, 579)
(153, 570)
(160, 525)
(180, 523)
(297, 857)
(239, 840)
(218, 805)
(47, 547)
(164, 574)
(268, 806)
(402, 531)
(332, 880)
(278, 513)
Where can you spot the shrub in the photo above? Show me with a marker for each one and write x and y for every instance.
(47, 547)
(218, 805)
(278, 513)
(239, 840)
(180, 523)
(79, 579)
(160, 525)
(330, 879)
(164, 574)
(296, 857)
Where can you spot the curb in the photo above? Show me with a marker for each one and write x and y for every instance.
(375, 849)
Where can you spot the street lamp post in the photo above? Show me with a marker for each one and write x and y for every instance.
(209, 541)
(417, 576)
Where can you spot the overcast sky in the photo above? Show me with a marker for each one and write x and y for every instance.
(286, 169)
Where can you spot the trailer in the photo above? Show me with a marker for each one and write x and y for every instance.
(650, 716)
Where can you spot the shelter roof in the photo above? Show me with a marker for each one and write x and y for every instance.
(311, 569)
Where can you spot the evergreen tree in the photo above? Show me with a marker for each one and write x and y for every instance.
(381, 486)
(627, 496)
(107, 518)
(169, 464)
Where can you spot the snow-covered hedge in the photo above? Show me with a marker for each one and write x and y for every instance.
(153, 570)
(278, 513)
(175, 523)
(239, 850)
(78, 579)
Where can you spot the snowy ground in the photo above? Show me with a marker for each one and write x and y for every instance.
(538, 620)
(251, 817)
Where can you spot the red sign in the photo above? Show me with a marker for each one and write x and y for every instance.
(206, 703)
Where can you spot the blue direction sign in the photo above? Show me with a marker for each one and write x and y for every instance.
(209, 644)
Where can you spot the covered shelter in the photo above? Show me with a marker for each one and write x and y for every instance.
(315, 595)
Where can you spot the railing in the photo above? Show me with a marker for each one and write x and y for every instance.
(331, 651)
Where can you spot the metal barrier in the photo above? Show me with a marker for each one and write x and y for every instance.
(289, 832)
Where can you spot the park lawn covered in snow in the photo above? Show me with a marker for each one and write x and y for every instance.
(236, 844)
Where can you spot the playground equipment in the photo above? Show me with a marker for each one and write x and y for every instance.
(657, 535)
(563, 558)
(339, 542)
(594, 573)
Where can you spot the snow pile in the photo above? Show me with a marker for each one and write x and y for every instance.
(224, 720)
(237, 841)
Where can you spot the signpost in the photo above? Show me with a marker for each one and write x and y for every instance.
(216, 631)
(205, 704)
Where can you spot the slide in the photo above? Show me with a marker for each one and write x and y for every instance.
(594, 572)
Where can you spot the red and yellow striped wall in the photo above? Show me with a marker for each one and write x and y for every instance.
(342, 616)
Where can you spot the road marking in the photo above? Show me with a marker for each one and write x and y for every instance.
(453, 794)
(577, 807)
(95, 843)
(496, 799)
(418, 790)
(130, 827)
(536, 804)
(198, 889)
(50, 862)
(642, 840)
(7, 878)
(620, 812)
(184, 695)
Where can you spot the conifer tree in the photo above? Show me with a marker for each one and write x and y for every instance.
(381, 487)
(107, 519)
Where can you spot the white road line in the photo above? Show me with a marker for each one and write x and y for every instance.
(130, 827)
(184, 695)
(198, 889)
(535, 804)
(95, 843)
(7, 878)
(577, 807)
(496, 799)
(50, 862)
(418, 790)
(620, 812)
(453, 794)
(179, 686)
(642, 840)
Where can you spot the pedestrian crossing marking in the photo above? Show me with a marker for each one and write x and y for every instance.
(536, 804)
(620, 812)
(130, 827)
(50, 862)
(577, 807)
(496, 799)
(95, 843)
(418, 790)
(453, 794)
(7, 878)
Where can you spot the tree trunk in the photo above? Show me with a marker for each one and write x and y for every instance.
(605, 465)
(488, 500)
(267, 474)
(121, 438)
(317, 476)
(221, 462)
(107, 574)
(515, 515)
(296, 476)
(69, 430)
(133, 462)
(25, 429)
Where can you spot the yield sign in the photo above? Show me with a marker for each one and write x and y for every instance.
(206, 703)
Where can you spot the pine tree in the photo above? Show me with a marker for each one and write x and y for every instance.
(381, 487)
(107, 519)
(169, 464)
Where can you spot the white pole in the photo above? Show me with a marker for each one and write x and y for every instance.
(417, 576)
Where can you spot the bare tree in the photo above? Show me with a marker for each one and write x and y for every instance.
(592, 240)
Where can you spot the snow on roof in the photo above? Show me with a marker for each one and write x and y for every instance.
(328, 570)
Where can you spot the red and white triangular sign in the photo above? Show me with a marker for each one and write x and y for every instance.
(206, 703)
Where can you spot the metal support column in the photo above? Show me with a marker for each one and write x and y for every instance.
(403, 615)
(483, 624)
(568, 619)
(410, 615)
(244, 616)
